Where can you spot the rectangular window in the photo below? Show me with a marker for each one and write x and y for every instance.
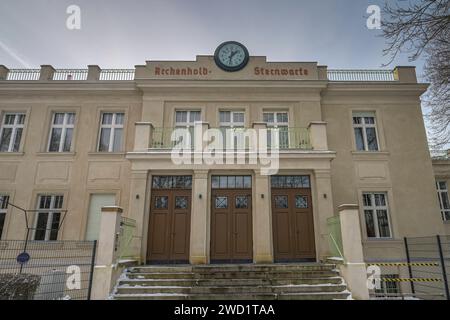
(48, 217)
(376, 215)
(388, 289)
(61, 132)
(97, 201)
(232, 127)
(444, 203)
(3, 209)
(11, 132)
(111, 132)
(185, 119)
(231, 182)
(364, 126)
(280, 121)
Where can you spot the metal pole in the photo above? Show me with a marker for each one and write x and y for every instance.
(91, 276)
(408, 259)
(444, 273)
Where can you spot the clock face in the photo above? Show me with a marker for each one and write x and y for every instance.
(231, 56)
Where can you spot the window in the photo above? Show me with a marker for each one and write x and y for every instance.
(111, 132)
(388, 288)
(48, 217)
(3, 209)
(376, 215)
(186, 119)
(231, 125)
(444, 203)
(277, 120)
(11, 132)
(61, 132)
(290, 182)
(172, 182)
(231, 182)
(364, 126)
(97, 201)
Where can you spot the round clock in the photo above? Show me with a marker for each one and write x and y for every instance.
(231, 56)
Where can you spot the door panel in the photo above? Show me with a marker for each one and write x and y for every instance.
(293, 225)
(169, 226)
(231, 226)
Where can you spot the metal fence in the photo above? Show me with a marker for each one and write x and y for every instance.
(429, 266)
(64, 269)
(360, 75)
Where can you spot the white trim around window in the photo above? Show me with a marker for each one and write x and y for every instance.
(187, 118)
(365, 131)
(61, 132)
(11, 131)
(4, 199)
(48, 217)
(376, 215)
(444, 202)
(110, 137)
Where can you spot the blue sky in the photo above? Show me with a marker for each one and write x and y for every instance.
(119, 33)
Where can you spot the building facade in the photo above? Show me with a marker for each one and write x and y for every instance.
(78, 140)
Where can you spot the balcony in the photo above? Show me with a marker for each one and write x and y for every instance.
(164, 139)
(233, 138)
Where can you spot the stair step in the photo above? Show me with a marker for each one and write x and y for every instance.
(228, 282)
(267, 296)
(234, 275)
(232, 290)
(233, 268)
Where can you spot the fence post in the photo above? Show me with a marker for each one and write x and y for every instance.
(444, 272)
(105, 262)
(91, 275)
(408, 259)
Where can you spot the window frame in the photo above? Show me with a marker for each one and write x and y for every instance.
(383, 291)
(50, 211)
(187, 123)
(14, 128)
(374, 208)
(364, 127)
(441, 203)
(64, 126)
(113, 126)
(275, 125)
(4, 212)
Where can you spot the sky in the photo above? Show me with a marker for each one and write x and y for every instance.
(125, 33)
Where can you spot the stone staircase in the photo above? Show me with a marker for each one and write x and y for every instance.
(232, 282)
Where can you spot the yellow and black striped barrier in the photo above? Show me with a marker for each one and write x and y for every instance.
(405, 264)
(411, 279)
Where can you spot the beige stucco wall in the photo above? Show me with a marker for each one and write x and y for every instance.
(75, 174)
(402, 168)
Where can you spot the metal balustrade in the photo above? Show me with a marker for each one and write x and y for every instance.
(117, 74)
(70, 74)
(360, 75)
(288, 137)
(23, 74)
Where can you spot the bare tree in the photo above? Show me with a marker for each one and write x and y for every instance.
(419, 28)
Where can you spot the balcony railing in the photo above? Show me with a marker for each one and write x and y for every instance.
(117, 75)
(70, 74)
(361, 75)
(289, 138)
(23, 74)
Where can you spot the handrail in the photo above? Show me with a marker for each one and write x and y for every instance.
(70, 74)
(23, 74)
(360, 75)
(117, 74)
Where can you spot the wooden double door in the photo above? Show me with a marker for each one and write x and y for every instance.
(231, 226)
(169, 226)
(293, 225)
